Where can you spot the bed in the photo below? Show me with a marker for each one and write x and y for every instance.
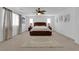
(40, 29)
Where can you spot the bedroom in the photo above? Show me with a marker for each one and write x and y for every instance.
(26, 28)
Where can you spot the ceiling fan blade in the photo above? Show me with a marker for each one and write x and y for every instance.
(43, 11)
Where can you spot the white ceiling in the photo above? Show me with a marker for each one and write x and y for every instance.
(31, 10)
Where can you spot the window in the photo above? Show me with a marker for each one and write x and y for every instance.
(15, 21)
(31, 21)
(15, 24)
(48, 20)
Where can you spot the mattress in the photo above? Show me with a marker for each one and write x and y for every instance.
(40, 31)
(40, 28)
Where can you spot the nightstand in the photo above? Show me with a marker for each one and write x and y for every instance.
(29, 28)
(50, 27)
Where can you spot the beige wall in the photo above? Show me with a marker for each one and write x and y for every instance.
(71, 28)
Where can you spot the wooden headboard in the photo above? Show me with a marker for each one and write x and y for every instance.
(39, 23)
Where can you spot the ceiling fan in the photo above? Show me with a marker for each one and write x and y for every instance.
(39, 11)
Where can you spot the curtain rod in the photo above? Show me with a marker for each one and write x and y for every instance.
(11, 10)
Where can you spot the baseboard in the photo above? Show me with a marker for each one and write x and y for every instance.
(77, 41)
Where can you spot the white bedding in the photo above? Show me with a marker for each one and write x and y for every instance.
(40, 28)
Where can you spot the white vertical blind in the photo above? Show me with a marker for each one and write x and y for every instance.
(15, 19)
(15, 24)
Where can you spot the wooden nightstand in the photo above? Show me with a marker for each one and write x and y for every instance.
(50, 27)
(29, 28)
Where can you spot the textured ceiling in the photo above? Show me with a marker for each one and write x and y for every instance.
(31, 10)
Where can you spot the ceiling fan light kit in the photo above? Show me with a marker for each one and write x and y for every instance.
(39, 14)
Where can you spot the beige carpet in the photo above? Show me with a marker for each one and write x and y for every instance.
(18, 43)
(41, 42)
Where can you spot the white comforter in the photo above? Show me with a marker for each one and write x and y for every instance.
(40, 28)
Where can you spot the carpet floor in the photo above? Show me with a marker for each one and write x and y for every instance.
(25, 42)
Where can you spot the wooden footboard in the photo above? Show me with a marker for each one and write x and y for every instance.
(40, 33)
